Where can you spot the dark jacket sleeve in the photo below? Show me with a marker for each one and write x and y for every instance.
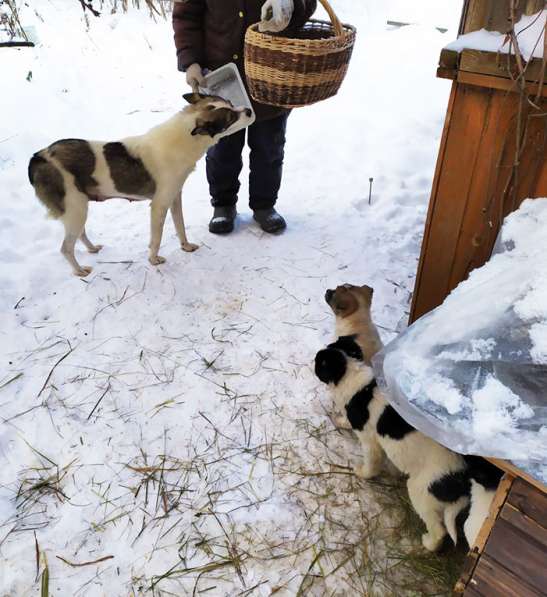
(188, 25)
(303, 10)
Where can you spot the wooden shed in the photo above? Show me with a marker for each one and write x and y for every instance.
(492, 156)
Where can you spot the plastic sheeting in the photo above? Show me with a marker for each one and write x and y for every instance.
(472, 374)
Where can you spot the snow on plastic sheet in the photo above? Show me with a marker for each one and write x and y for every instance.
(473, 372)
(530, 32)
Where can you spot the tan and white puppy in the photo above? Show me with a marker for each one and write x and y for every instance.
(71, 172)
(438, 481)
(351, 306)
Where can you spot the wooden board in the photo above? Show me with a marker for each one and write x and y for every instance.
(514, 560)
(510, 468)
(490, 579)
(475, 186)
(493, 14)
(499, 65)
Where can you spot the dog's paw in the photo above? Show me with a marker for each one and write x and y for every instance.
(157, 260)
(95, 249)
(189, 247)
(432, 542)
(83, 271)
(365, 471)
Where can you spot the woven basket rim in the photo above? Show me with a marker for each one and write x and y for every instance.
(348, 31)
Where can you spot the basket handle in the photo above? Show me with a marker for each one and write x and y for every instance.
(338, 27)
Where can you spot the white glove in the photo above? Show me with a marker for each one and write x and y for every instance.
(194, 77)
(276, 15)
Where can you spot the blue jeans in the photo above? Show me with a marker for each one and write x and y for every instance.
(266, 141)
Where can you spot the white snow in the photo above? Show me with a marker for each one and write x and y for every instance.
(497, 410)
(169, 416)
(530, 32)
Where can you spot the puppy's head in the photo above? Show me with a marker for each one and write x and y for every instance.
(330, 365)
(347, 299)
(215, 117)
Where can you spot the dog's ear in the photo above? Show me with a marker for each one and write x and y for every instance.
(330, 365)
(368, 292)
(193, 98)
(203, 127)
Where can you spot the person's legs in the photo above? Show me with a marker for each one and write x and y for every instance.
(223, 165)
(267, 143)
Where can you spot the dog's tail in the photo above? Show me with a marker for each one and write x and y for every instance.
(450, 514)
(48, 183)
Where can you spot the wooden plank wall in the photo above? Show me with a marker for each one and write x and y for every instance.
(513, 562)
(475, 186)
(494, 14)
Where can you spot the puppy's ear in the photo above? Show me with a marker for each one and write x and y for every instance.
(193, 98)
(368, 292)
(330, 365)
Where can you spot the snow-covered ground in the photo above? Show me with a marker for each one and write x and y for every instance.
(169, 417)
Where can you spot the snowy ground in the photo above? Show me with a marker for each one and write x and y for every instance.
(169, 417)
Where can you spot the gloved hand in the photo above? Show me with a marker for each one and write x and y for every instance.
(194, 77)
(276, 15)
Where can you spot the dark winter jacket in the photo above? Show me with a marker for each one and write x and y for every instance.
(212, 32)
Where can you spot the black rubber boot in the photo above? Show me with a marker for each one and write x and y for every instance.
(269, 220)
(222, 221)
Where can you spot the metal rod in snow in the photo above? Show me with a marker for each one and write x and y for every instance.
(370, 190)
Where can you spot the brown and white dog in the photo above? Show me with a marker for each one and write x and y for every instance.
(71, 172)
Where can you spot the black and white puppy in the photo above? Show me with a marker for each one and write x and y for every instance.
(438, 484)
(71, 172)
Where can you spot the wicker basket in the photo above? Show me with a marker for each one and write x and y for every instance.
(299, 67)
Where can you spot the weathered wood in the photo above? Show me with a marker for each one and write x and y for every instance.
(529, 501)
(527, 525)
(510, 468)
(497, 504)
(501, 83)
(468, 568)
(449, 203)
(518, 552)
(449, 59)
(476, 550)
(475, 185)
(490, 578)
(498, 65)
(494, 14)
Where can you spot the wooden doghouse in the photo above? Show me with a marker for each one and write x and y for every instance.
(492, 157)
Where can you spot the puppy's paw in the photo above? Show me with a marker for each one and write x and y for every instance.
(95, 249)
(156, 259)
(83, 271)
(366, 471)
(189, 247)
(432, 542)
(341, 422)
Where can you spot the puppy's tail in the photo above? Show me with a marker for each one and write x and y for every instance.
(450, 514)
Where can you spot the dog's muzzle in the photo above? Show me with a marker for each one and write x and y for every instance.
(328, 295)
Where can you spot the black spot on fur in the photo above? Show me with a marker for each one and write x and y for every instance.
(128, 173)
(348, 346)
(77, 157)
(483, 472)
(451, 487)
(48, 183)
(461, 518)
(391, 424)
(357, 407)
(330, 365)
